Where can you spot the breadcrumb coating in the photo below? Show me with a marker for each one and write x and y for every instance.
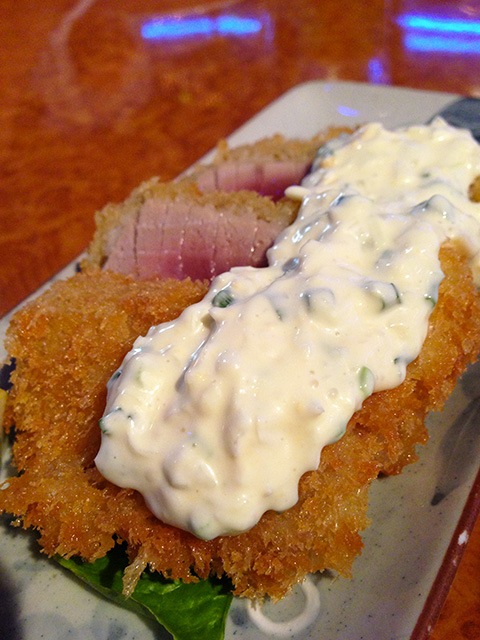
(277, 147)
(67, 344)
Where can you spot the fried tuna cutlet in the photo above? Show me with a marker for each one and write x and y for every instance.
(68, 343)
(114, 219)
(267, 153)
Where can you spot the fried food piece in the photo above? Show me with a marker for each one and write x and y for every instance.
(275, 154)
(474, 190)
(69, 342)
(276, 147)
(181, 198)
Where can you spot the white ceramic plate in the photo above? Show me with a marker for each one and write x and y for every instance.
(413, 546)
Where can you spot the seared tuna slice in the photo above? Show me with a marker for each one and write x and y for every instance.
(174, 230)
(210, 220)
(268, 166)
(267, 178)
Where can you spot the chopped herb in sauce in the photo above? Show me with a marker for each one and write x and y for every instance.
(367, 381)
(386, 293)
(223, 298)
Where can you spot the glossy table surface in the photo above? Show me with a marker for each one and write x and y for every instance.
(92, 103)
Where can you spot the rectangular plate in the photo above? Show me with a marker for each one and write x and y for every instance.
(405, 557)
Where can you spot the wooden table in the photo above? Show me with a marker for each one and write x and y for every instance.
(89, 108)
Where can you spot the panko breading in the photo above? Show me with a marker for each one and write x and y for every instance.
(68, 343)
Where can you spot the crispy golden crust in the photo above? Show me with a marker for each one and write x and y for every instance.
(69, 342)
(474, 190)
(277, 147)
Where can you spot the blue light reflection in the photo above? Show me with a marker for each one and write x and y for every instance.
(347, 111)
(438, 43)
(176, 28)
(376, 71)
(425, 32)
(438, 24)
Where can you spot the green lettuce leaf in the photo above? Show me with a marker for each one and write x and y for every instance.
(194, 610)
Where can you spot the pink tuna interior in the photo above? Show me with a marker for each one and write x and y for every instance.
(179, 239)
(267, 178)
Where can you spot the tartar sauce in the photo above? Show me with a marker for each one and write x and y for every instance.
(214, 417)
